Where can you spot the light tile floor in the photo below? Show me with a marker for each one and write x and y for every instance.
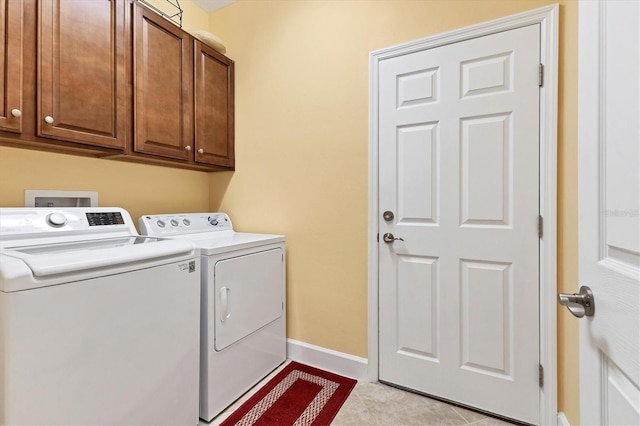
(378, 404)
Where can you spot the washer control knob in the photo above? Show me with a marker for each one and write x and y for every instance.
(161, 223)
(174, 222)
(186, 222)
(213, 220)
(56, 219)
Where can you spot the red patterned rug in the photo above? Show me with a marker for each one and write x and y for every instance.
(298, 395)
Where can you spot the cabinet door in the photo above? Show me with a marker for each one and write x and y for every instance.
(214, 107)
(163, 87)
(11, 25)
(82, 74)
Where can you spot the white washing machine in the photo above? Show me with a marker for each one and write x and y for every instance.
(97, 324)
(243, 335)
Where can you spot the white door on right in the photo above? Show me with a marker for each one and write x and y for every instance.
(609, 229)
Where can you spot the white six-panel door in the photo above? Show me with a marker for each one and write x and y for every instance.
(609, 171)
(459, 170)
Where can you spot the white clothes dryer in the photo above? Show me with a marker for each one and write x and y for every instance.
(97, 324)
(243, 335)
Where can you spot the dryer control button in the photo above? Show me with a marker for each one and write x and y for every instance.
(213, 220)
(174, 222)
(56, 219)
(186, 222)
(161, 224)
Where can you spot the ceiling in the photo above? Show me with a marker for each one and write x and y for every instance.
(211, 5)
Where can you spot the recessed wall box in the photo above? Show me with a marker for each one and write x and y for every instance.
(46, 198)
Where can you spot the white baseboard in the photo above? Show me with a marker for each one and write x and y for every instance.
(327, 359)
(562, 419)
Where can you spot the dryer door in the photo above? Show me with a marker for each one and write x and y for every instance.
(249, 294)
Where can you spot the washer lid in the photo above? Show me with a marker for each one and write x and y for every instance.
(66, 258)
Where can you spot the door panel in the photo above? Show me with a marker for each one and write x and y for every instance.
(11, 90)
(459, 150)
(609, 195)
(487, 329)
(84, 94)
(486, 177)
(214, 107)
(162, 100)
(417, 173)
(418, 320)
(487, 75)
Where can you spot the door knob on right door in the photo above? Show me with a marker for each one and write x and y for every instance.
(579, 304)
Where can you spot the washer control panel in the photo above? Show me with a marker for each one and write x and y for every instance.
(186, 223)
(75, 221)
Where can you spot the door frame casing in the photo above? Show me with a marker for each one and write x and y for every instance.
(547, 17)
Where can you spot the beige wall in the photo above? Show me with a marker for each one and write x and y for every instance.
(140, 189)
(193, 18)
(302, 148)
(568, 349)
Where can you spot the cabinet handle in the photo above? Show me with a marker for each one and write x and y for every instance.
(187, 148)
(16, 112)
(201, 151)
(48, 119)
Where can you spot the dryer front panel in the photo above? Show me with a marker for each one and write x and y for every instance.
(249, 294)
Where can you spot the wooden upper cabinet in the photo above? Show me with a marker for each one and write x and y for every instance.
(81, 77)
(163, 87)
(11, 63)
(214, 107)
(113, 79)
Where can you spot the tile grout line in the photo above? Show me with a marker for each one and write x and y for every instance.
(460, 414)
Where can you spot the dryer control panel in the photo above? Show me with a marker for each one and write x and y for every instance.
(187, 223)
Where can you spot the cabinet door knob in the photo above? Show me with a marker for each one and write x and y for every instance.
(201, 151)
(187, 148)
(48, 119)
(16, 112)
